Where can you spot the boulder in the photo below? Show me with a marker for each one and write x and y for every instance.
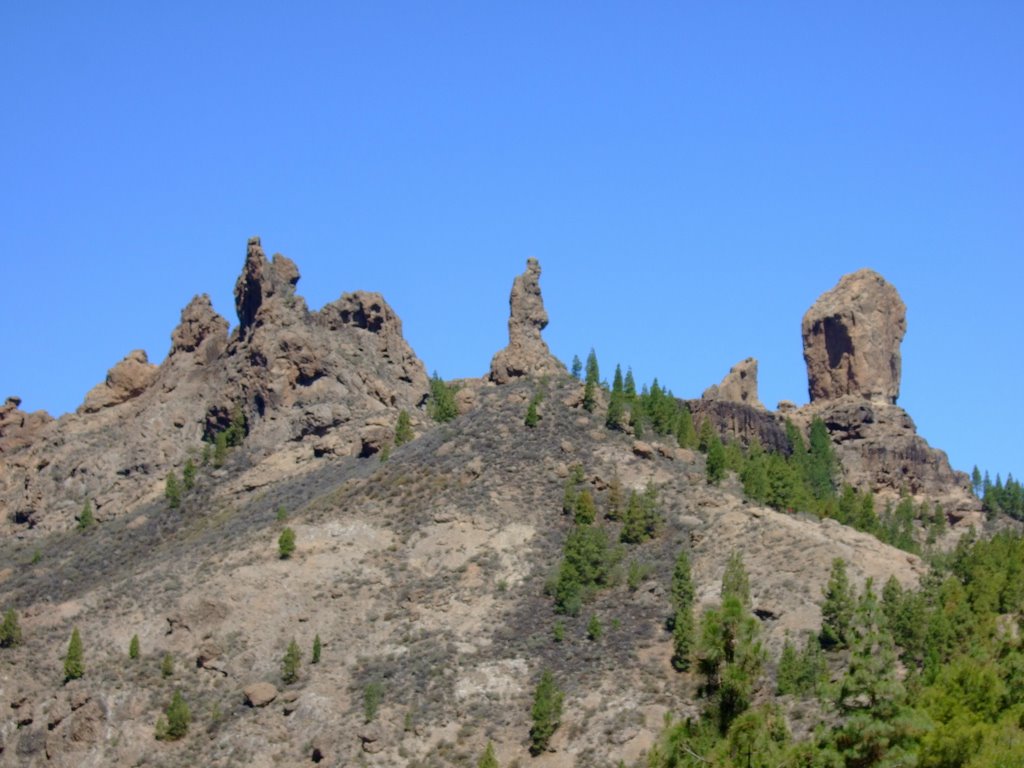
(126, 380)
(259, 694)
(851, 338)
(527, 354)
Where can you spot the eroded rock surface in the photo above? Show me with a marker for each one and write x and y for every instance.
(308, 385)
(527, 354)
(852, 338)
(126, 380)
(738, 386)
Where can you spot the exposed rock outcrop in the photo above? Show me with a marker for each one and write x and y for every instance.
(738, 386)
(527, 354)
(126, 380)
(852, 338)
(19, 428)
(308, 384)
(199, 324)
(742, 422)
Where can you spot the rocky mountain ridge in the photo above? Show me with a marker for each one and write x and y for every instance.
(423, 575)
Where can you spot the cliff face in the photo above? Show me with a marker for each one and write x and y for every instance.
(308, 383)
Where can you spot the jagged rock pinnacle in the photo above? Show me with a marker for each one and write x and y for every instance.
(852, 338)
(738, 386)
(199, 322)
(526, 353)
(261, 280)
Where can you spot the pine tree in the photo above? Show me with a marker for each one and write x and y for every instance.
(585, 510)
(821, 464)
(74, 667)
(592, 382)
(546, 712)
(403, 429)
(133, 647)
(686, 436)
(683, 591)
(317, 647)
(715, 464)
(85, 517)
(838, 609)
(188, 475)
(286, 543)
(683, 632)
(532, 416)
(629, 386)
(290, 663)
(167, 665)
(10, 631)
(488, 759)
(577, 367)
(172, 490)
(174, 723)
(441, 405)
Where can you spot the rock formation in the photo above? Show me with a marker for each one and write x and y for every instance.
(308, 384)
(738, 386)
(852, 338)
(128, 379)
(526, 354)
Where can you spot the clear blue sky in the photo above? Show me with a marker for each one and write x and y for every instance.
(691, 175)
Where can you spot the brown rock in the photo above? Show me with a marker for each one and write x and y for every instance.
(126, 380)
(198, 323)
(852, 338)
(738, 386)
(643, 450)
(259, 694)
(18, 428)
(526, 354)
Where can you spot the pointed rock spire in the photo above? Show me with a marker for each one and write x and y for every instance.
(526, 353)
(738, 386)
(261, 280)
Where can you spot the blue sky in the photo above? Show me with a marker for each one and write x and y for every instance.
(691, 176)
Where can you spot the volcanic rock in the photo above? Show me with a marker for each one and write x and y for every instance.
(738, 386)
(199, 323)
(527, 354)
(852, 338)
(17, 427)
(128, 379)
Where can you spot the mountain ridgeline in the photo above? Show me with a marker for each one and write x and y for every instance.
(286, 545)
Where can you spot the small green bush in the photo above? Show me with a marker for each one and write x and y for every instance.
(10, 632)
(290, 663)
(286, 543)
(86, 519)
(173, 724)
(133, 647)
(403, 429)
(74, 666)
(546, 712)
(167, 665)
(372, 695)
(317, 646)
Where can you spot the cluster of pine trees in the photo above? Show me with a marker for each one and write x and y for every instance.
(930, 677)
(999, 497)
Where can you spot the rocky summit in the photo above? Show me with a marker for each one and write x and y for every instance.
(280, 529)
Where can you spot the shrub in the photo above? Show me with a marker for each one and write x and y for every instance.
(173, 724)
(167, 665)
(316, 650)
(281, 514)
(372, 695)
(290, 663)
(286, 543)
(403, 430)
(172, 490)
(10, 632)
(594, 628)
(85, 517)
(74, 667)
(188, 475)
(488, 759)
(133, 647)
